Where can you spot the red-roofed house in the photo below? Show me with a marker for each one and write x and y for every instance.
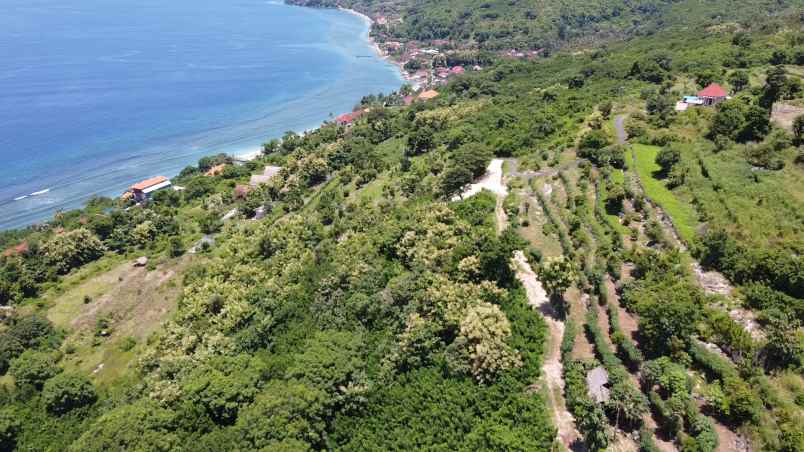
(348, 118)
(713, 94)
(143, 190)
(427, 95)
(17, 250)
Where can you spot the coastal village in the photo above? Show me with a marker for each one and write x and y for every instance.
(426, 65)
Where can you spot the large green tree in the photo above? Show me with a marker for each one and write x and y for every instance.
(68, 391)
(139, 426)
(33, 368)
(72, 249)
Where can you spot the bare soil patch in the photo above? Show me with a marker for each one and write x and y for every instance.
(135, 302)
(108, 315)
(551, 368)
(492, 181)
(785, 114)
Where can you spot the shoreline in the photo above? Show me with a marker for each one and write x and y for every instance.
(406, 76)
(242, 153)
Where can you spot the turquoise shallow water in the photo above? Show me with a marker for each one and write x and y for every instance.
(95, 95)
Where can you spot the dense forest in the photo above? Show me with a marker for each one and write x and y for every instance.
(635, 281)
(545, 24)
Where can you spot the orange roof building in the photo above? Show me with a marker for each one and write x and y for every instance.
(17, 250)
(215, 170)
(143, 190)
(429, 94)
(348, 118)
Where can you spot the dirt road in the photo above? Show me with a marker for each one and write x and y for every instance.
(537, 298)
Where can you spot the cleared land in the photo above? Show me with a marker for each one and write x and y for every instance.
(108, 315)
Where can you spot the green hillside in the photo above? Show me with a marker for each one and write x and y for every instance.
(537, 24)
(372, 307)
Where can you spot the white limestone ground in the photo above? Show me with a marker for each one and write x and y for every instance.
(492, 181)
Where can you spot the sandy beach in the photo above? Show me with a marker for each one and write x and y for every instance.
(369, 21)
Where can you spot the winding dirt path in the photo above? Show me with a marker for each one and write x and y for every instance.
(551, 368)
(499, 212)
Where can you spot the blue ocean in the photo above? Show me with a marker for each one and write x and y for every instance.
(96, 94)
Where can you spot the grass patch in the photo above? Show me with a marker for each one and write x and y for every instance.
(617, 176)
(682, 214)
(534, 232)
(134, 301)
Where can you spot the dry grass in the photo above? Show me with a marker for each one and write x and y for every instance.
(534, 232)
(583, 349)
(131, 300)
(785, 114)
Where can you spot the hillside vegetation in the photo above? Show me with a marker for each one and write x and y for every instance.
(546, 24)
(358, 302)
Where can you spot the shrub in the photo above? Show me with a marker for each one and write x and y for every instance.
(9, 429)
(10, 348)
(646, 442)
(34, 331)
(594, 140)
(66, 392)
(72, 249)
(667, 158)
(139, 426)
(568, 341)
(613, 155)
(33, 368)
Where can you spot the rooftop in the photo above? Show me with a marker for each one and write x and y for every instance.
(148, 183)
(347, 118)
(713, 90)
(429, 94)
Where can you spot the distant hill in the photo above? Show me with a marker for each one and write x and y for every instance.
(534, 24)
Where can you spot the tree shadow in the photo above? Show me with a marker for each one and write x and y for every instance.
(578, 445)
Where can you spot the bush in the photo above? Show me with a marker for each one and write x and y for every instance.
(646, 442)
(594, 140)
(9, 429)
(10, 348)
(72, 249)
(66, 392)
(175, 247)
(139, 426)
(34, 331)
(613, 155)
(667, 158)
(33, 368)
(568, 341)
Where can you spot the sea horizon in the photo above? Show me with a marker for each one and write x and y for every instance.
(88, 117)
